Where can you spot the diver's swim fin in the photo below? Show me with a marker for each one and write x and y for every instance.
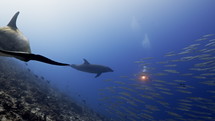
(28, 56)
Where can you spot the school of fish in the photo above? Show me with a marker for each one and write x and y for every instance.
(180, 87)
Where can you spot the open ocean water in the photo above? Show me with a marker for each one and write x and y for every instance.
(162, 53)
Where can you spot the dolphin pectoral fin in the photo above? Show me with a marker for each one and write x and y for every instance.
(97, 75)
(28, 56)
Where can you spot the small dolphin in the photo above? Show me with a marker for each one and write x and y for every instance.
(92, 68)
(14, 44)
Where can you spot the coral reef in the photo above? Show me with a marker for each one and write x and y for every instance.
(25, 97)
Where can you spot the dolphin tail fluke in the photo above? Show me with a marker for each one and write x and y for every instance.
(12, 22)
(28, 56)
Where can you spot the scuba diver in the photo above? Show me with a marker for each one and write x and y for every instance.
(144, 75)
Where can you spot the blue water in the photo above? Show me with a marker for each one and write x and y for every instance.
(116, 34)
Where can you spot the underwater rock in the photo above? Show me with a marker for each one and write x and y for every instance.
(24, 97)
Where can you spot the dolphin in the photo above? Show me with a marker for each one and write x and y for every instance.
(14, 44)
(92, 68)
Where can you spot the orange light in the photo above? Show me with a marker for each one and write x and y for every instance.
(143, 77)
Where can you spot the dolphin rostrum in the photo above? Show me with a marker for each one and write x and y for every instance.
(92, 68)
(14, 44)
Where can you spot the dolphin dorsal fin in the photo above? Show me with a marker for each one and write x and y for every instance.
(12, 22)
(85, 61)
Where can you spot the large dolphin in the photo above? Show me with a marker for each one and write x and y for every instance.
(14, 44)
(92, 68)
